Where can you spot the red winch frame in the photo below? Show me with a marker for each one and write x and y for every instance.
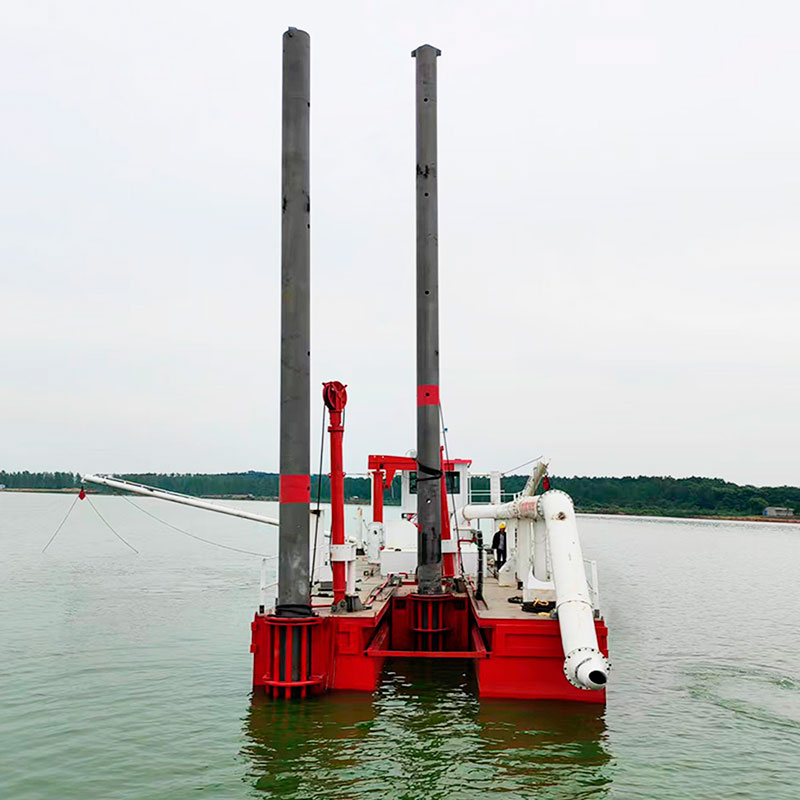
(334, 394)
(384, 468)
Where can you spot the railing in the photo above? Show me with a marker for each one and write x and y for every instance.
(593, 581)
(484, 496)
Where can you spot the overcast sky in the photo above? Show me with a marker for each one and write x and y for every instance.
(619, 238)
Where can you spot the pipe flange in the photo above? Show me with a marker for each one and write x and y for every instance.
(539, 511)
(590, 650)
(578, 650)
(567, 659)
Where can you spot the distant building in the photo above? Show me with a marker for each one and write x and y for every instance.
(778, 511)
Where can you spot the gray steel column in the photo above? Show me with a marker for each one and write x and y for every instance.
(429, 509)
(293, 565)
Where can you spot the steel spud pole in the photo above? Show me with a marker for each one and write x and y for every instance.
(429, 537)
(295, 486)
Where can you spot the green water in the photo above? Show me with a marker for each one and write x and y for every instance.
(425, 734)
(127, 676)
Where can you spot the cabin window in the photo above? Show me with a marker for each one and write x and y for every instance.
(452, 481)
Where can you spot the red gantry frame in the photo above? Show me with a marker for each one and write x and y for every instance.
(384, 468)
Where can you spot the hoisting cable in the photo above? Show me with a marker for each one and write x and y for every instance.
(108, 525)
(519, 466)
(193, 535)
(452, 495)
(319, 496)
(61, 524)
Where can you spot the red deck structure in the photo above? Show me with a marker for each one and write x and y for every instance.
(514, 657)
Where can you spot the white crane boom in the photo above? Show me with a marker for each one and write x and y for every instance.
(175, 497)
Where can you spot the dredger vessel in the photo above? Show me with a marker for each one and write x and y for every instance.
(419, 586)
(417, 589)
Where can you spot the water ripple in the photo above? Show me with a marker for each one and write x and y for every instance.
(426, 735)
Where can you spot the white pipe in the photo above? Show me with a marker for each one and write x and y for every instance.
(524, 531)
(540, 571)
(521, 508)
(585, 666)
(494, 488)
(175, 497)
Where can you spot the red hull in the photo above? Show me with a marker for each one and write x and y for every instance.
(513, 658)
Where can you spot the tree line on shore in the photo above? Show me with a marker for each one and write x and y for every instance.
(664, 496)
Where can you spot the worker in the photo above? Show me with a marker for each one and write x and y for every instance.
(499, 546)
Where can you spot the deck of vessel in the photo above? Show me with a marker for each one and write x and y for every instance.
(494, 605)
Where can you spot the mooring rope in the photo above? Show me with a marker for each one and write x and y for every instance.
(108, 525)
(195, 536)
(84, 496)
(61, 524)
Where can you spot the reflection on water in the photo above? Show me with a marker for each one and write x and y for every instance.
(424, 734)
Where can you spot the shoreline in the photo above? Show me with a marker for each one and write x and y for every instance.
(706, 518)
(783, 520)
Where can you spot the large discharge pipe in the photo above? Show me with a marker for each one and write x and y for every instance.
(294, 588)
(584, 665)
(429, 500)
